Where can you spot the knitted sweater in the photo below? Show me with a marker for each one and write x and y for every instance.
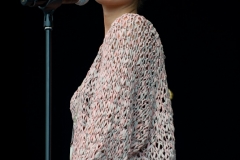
(122, 110)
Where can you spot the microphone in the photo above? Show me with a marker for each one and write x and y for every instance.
(33, 3)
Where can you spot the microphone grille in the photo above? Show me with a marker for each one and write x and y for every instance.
(81, 2)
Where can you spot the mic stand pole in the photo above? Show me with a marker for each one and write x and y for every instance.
(48, 10)
(48, 79)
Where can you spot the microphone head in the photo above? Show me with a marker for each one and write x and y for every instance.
(81, 2)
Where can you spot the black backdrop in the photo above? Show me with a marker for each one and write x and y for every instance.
(201, 46)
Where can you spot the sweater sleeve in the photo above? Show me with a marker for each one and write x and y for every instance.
(153, 131)
(126, 84)
(141, 42)
(144, 43)
(129, 69)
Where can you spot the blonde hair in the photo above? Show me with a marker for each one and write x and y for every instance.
(171, 94)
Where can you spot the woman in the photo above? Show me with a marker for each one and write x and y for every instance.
(122, 110)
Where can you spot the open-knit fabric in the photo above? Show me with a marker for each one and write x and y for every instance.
(122, 110)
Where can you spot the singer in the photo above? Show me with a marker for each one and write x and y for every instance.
(122, 110)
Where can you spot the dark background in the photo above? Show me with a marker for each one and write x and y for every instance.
(201, 45)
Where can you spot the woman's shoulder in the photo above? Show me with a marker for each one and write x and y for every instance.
(132, 20)
(132, 25)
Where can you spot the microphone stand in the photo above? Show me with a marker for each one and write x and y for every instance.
(48, 8)
(48, 17)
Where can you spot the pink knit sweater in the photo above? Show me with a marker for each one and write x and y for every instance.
(122, 110)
